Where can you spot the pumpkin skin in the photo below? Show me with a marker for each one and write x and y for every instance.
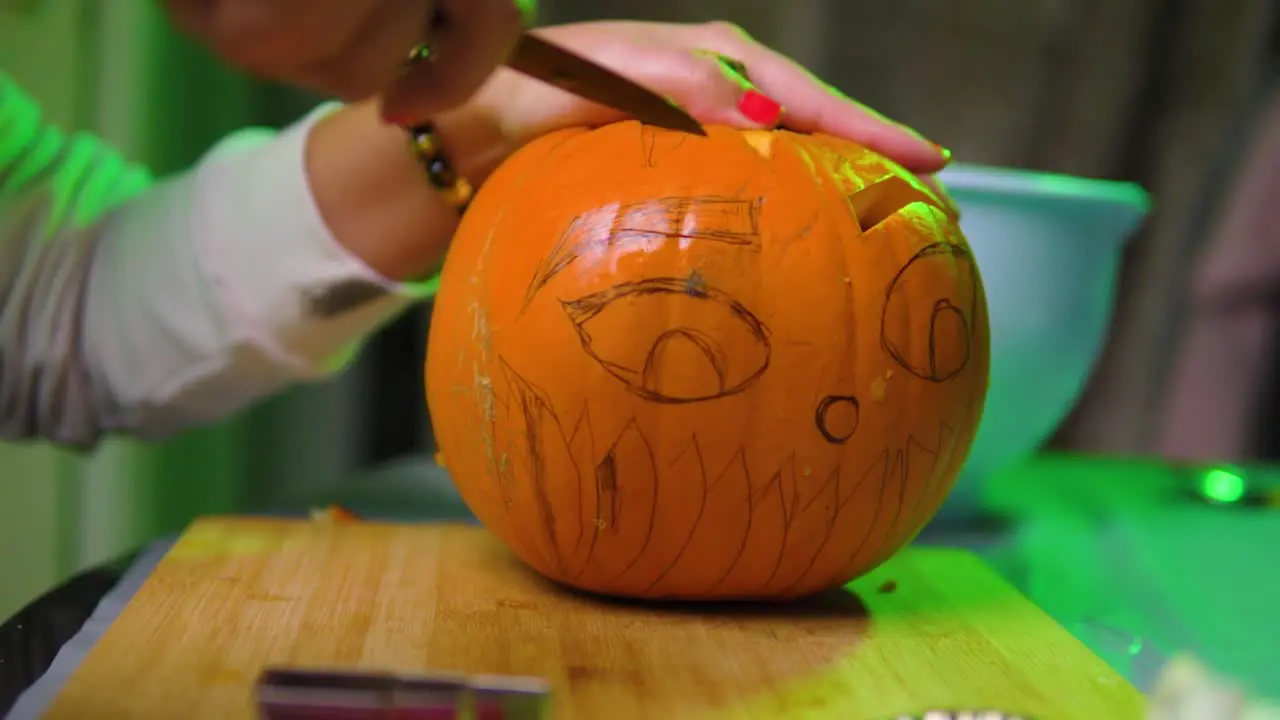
(746, 366)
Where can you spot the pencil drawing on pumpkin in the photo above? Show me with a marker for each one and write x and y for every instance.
(746, 366)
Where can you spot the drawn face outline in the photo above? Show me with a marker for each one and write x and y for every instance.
(583, 309)
(733, 222)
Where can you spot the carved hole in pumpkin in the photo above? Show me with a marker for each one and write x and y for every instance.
(761, 141)
(878, 201)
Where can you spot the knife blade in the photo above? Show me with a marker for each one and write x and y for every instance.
(285, 694)
(573, 73)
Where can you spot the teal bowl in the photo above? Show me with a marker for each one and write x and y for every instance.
(1049, 249)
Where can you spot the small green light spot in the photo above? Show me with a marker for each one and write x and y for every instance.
(1222, 486)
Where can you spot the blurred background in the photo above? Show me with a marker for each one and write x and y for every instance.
(1176, 95)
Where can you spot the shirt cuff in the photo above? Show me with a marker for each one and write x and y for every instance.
(273, 263)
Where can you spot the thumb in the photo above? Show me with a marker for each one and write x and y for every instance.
(469, 39)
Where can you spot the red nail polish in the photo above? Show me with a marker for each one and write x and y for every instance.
(760, 108)
(944, 152)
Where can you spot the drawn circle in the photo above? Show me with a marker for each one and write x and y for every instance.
(936, 348)
(836, 418)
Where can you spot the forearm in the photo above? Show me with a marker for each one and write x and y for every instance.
(193, 298)
(374, 196)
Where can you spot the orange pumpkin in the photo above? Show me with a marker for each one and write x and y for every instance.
(748, 365)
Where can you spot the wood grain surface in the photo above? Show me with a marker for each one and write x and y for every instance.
(931, 628)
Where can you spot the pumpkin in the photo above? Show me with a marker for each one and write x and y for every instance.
(742, 366)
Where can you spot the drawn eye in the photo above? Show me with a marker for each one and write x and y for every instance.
(672, 340)
(933, 344)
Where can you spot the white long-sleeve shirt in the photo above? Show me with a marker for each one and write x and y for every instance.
(141, 307)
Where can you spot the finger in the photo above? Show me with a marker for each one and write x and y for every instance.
(470, 39)
(373, 51)
(266, 38)
(702, 83)
(813, 106)
(753, 107)
(705, 84)
(341, 47)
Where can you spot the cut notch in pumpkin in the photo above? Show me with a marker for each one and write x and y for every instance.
(761, 141)
(878, 201)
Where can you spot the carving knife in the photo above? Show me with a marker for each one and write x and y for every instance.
(573, 73)
(284, 694)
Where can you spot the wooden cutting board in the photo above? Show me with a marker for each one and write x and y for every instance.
(933, 628)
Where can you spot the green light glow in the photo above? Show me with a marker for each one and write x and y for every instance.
(1222, 485)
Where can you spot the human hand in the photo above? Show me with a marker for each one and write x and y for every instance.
(715, 71)
(355, 49)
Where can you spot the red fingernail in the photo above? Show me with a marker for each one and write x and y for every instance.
(760, 108)
(944, 152)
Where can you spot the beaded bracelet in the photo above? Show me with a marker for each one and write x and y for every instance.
(426, 148)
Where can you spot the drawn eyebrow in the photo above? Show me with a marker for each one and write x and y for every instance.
(715, 219)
